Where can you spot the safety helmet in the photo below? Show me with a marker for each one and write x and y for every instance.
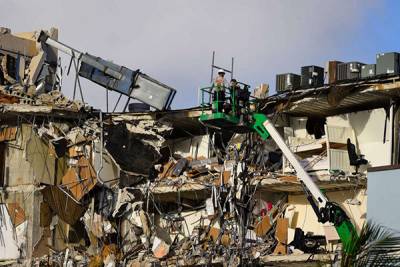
(221, 71)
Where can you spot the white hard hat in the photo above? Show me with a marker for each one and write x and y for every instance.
(221, 71)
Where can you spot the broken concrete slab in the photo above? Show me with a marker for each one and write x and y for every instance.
(35, 67)
(17, 45)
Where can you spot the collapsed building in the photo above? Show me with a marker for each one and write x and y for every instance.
(80, 187)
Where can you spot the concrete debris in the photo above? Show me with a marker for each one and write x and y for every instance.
(56, 98)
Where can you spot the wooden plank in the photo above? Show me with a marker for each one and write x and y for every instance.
(281, 235)
(263, 226)
(166, 170)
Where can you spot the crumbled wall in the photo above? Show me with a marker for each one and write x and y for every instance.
(28, 160)
(193, 147)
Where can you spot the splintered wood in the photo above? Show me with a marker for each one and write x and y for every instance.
(263, 226)
(17, 214)
(80, 180)
(225, 177)
(281, 235)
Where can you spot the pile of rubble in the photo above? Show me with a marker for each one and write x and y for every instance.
(28, 71)
(136, 200)
(128, 224)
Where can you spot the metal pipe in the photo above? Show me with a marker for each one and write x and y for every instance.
(232, 68)
(83, 57)
(63, 48)
(212, 67)
(391, 123)
(101, 147)
(106, 100)
(116, 104)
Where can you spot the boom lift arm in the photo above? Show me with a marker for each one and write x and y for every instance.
(325, 210)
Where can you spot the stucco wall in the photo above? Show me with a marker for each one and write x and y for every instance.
(305, 218)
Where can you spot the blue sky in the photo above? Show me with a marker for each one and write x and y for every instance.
(378, 33)
(173, 40)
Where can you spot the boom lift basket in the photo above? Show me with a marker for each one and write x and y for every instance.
(224, 113)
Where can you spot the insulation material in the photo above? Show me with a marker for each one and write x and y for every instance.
(17, 214)
(8, 243)
(80, 180)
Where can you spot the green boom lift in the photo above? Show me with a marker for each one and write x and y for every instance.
(238, 117)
